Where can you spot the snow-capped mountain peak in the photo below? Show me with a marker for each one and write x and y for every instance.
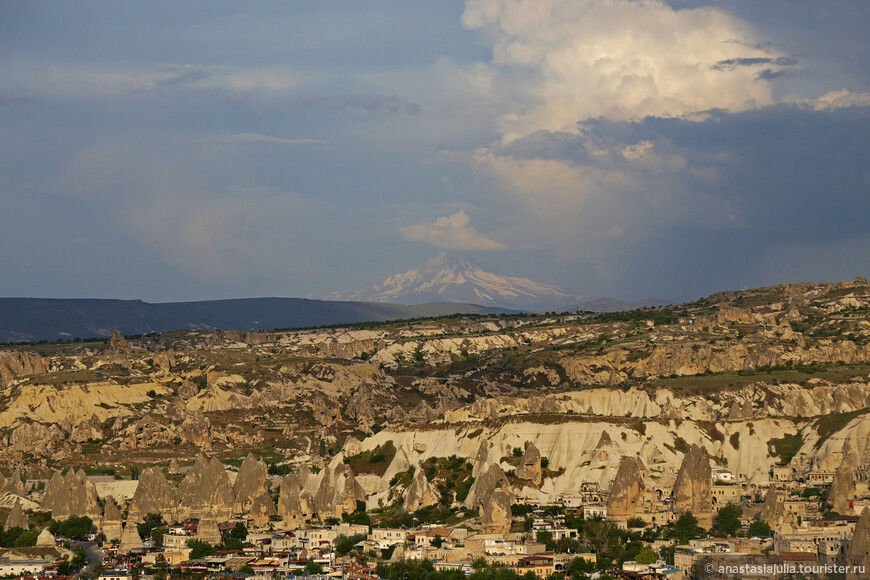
(451, 277)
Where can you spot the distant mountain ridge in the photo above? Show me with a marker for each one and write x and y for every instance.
(33, 319)
(452, 277)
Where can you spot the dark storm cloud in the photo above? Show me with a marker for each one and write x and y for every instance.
(734, 199)
(732, 63)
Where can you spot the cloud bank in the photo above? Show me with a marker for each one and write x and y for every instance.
(569, 60)
(453, 232)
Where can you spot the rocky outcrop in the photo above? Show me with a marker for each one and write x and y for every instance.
(154, 495)
(492, 495)
(206, 490)
(196, 429)
(130, 539)
(338, 492)
(118, 344)
(207, 530)
(626, 491)
(858, 554)
(45, 539)
(351, 446)
(495, 512)
(38, 438)
(71, 495)
(773, 509)
(53, 489)
(15, 484)
(842, 491)
(187, 389)
(294, 501)
(616, 366)
(693, 488)
(16, 517)
(262, 509)
(530, 465)
(485, 484)
(18, 364)
(111, 523)
(481, 458)
(252, 490)
(420, 494)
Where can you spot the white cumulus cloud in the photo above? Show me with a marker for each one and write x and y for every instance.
(453, 232)
(579, 59)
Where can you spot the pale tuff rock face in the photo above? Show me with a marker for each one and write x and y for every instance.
(196, 429)
(351, 446)
(46, 539)
(262, 508)
(627, 489)
(118, 344)
(252, 481)
(842, 490)
(859, 550)
(207, 529)
(338, 492)
(206, 490)
(187, 389)
(130, 538)
(20, 364)
(420, 494)
(693, 489)
(773, 509)
(154, 495)
(493, 496)
(252, 491)
(294, 501)
(495, 512)
(15, 484)
(73, 494)
(530, 465)
(481, 458)
(111, 524)
(16, 517)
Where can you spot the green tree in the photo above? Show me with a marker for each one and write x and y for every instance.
(68, 567)
(199, 549)
(546, 538)
(646, 556)
(74, 527)
(239, 531)
(246, 569)
(150, 522)
(344, 544)
(314, 568)
(686, 528)
(157, 537)
(667, 553)
(437, 541)
(232, 543)
(578, 566)
(759, 529)
(27, 538)
(728, 519)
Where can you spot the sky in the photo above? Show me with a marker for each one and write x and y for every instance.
(199, 150)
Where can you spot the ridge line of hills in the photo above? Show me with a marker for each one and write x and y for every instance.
(33, 319)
